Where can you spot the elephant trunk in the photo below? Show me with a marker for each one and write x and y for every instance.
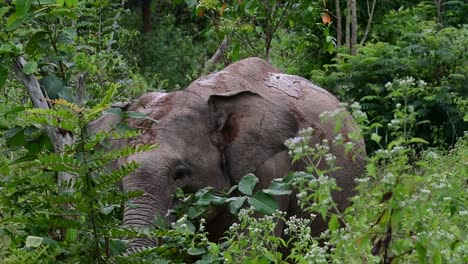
(141, 214)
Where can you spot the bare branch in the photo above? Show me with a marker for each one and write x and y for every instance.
(80, 82)
(219, 54)
(369, 22)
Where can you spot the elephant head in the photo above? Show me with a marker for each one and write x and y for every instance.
(200, 142)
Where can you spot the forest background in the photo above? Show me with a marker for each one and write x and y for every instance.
(399, 66)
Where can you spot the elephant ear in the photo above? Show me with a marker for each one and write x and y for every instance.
(249, 130)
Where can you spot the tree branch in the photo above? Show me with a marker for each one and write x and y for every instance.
(219, 54)
(369, 22)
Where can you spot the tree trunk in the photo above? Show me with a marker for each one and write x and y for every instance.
(146, 10)
(59, 140)
(339, 33)
(348, 24)
(354, 27)
(370, 11)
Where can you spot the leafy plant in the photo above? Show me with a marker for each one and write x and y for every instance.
(62, 224)
(435, 86)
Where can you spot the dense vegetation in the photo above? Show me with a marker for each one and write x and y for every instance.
(403, 74)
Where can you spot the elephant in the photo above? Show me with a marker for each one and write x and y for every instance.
(221, 127)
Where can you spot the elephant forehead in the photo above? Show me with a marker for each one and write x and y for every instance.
(284, 83)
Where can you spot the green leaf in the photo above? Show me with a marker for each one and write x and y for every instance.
(113, 111)
(333, 223)
(184, 227)
(23, 159)
(196, 251)
(362, 243)
(3, 75)
(247, 184)
(71, 234)
(279, 187)
(136, 115)
(53, 85)
(160, 222)
(4, 10)
(12, 132)
(70, 32)
(30, 67)
(421, 249)
(6, 48)
(418, 140)
(263, 203)
(371, 169)
(108, 209)
(72, 3)
(33, 44)
(236, 203)
(67, 94)
(277, 192)
(33, 241)
(14, 21)
(210, 199)
(194, 212)
(436, 256)
(64, 12)
(22, 7)
(375, 137)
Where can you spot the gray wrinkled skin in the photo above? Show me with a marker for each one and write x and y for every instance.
(221, 127)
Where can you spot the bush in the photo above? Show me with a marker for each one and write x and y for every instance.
(424, 68)
(170, 57)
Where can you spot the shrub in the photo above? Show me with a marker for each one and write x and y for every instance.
(425, 69)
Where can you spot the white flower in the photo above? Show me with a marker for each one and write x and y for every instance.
(329, 157)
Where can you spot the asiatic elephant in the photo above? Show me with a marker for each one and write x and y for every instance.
(223, 126)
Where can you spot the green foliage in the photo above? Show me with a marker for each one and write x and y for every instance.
(171, 55)
(436, 87)
(73, 53)
(410, 207)
(61, 224)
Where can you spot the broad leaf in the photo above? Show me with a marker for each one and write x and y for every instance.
(22, 7)
(333, 223)
(236, 203)
(247, 184)
(194, 212)
(33, 241)
(4, 10)
(3, 75)
(71, 234)
(33, 46)
(30, 67)
(64, 12)
(196, 251)
(113, 111)
(277, 192)
(71, 3)
(263, 203)
(108, 209)
(53, 85)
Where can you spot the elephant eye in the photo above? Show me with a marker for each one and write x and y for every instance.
(181, 173)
